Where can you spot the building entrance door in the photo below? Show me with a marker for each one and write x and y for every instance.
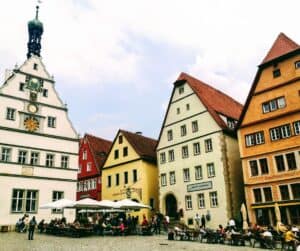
(171, 206)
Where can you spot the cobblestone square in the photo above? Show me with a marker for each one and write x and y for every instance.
(42, 242)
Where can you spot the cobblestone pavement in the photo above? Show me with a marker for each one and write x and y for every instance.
(42, 242)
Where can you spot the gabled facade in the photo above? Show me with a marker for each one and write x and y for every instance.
(130, 171)
(92, 155)
(38, 144)
(198, 157)
(269, 137)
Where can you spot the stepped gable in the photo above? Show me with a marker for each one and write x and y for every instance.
(214, 100)
(98, 145)
(144, 146)
(282, 45)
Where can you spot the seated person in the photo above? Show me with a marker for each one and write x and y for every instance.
(267, 239)
(20, 225)
(41, 226)
(76, 223)
(145, 222)
(290, 238)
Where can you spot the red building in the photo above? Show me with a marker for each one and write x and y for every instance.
(92, 155)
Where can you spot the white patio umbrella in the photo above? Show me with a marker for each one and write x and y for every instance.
(88, 203)
(107, 204)
(244, 216)
(130, 204)
(58, 204)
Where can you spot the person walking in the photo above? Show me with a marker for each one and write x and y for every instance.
(203, 221)
(32, 224)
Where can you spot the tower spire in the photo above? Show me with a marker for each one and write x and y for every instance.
(35, 31)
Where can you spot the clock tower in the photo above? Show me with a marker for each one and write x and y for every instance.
(38, 143)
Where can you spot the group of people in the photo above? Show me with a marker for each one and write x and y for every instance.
(24, 224)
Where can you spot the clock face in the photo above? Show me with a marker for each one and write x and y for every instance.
(34, 84)
(32, 108)
(31, 124)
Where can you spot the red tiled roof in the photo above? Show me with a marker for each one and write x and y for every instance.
(214, 100)
(144, 146)
(98, 146)
(282, 45)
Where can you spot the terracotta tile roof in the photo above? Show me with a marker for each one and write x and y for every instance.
(98, 146)
(144, 146)
(282, 45)
(214, 100)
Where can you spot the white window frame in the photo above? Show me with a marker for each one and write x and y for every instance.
(185, 152)
(211, 172)
(32, 199)
(195, 127)
(183, 130)
(296, 125)
(79, 168)
(213, 197)
(188, 202)
(201, 200)
(5, 154)
(171, 155)
(281, 102)
(84, 155)
(57, 195)
(186, 175)
(198, 173)
(172, 178)
(10, 113)
(50, 160)
(22, 157)
(51, 122)
(162, 157)
(19, 198)
(34, 158)
(208, 145)
(196, 147)
(64, 161)
(89, 166)
(170, 135)
(163, 179)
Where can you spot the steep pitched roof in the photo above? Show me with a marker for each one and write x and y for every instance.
(282, 45)
(97, 146)
(144, 146)
(214, 100)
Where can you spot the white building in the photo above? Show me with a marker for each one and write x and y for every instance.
(198, 157)
(38, 144)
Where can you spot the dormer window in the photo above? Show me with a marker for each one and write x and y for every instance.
(276, 73)
(297, 64)
(231, 123)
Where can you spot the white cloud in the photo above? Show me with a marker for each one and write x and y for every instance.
(92, 42)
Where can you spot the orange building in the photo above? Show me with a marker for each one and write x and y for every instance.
(269, 137)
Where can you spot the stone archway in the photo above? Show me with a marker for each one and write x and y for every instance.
(171, 205)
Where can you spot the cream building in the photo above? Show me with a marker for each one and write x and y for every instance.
(198, 157)
(38, 144)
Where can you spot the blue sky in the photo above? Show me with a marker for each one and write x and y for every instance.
(114, 62)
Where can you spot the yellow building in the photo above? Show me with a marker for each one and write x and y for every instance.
(130, 171)
(269, 137)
